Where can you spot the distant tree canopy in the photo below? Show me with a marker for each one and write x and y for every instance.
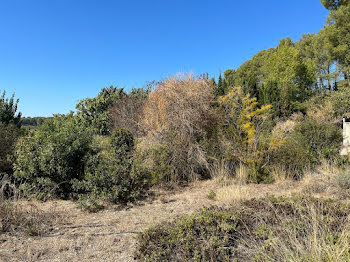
(33, 121)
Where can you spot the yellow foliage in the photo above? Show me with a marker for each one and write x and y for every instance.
(243, 112)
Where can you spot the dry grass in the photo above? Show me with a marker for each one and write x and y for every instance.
(298, 228)
(25, 218)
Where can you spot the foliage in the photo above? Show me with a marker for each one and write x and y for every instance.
(339, 37)
(94, 112)
(292, 155)
(273, 229)
(48, 161)
(157, 160)
(242, 129)
(303, 143)
(112, 173)
(333, 4)
(8, 110)
(33, 121)
(9, 135)
(323, 140)
(10, 122)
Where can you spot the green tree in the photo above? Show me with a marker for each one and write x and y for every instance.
(220, 87)
(8, 110)
(338, 35)
(229, 78)
(333, 4)
(10, 122)
(286, 80)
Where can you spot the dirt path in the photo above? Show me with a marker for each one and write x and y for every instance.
(108, 235)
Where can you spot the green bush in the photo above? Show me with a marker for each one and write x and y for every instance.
(9, 135)
(49, 160)
(293, 156)
(157, 160)
(322, 139)
(307, 229)
(306, 146)
(343, 180)
(112, 173)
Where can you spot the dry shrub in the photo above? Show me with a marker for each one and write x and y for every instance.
(321, 112)
(179, 116)
(271, 229)
(127, 112)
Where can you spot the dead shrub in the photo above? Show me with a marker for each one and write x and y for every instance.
(179, 115)
(127, 112)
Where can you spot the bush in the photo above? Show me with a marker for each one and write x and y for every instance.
(304, 145)
(243, 131)
(270, 229)
(8, 138)
(127, 112)
(178, 115)
(157, 160)
(112, 173)
(323, 140)
(48, 161)
(343, 180)
(292, 156)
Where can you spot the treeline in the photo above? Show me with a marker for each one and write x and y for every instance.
(278, 112)
(33, 121)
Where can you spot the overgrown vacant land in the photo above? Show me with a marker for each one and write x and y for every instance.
(190, 168)
(243, 219)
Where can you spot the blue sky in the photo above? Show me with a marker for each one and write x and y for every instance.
(56, 52)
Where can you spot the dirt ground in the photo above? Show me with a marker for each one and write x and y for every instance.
(109, 235)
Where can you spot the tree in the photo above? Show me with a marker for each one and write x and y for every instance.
(338, 35)
(333, 4)
(229, 78)
(8, 110)
(242, 129)
(316, 52)
(286, 80)
(10, 122)
(220, 90)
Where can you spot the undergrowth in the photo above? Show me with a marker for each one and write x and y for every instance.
(299, 228)
(31, 221)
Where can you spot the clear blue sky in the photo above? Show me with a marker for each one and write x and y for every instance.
(55, 52)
